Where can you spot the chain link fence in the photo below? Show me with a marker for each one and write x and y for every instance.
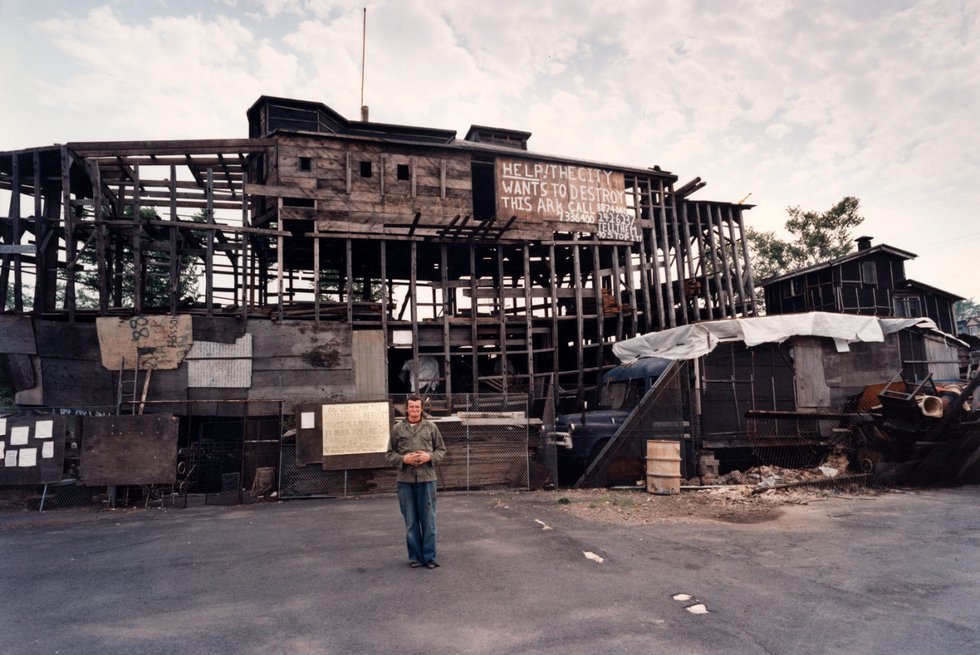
(487, 447)
(238, 459)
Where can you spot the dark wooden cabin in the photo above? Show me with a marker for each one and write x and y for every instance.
(869, 281)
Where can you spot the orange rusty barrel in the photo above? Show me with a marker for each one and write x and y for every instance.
(663, 466)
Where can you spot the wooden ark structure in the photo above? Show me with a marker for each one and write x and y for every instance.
(375, 258)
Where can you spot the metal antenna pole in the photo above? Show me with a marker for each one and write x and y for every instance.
(363, 54)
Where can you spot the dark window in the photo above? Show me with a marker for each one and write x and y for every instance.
(365, 169)
(907, 306)
(403, 173)
(298, 202)
(305, 164)
(484, 190)
(869, 273)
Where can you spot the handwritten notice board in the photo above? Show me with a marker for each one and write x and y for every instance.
(580, 198)
(32, 449)
(343, 435)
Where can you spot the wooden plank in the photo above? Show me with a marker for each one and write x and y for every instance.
(309, 434)
(447, 309)
(17, 335)
(217, 329)
(19, 370)
(76, 383)
(315, 380)
(370, 363)
(579, 320)
(321, 345)
(354, 462)
(59, 340)
(139, 449)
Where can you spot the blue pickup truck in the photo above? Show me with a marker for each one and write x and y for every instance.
(581, 436)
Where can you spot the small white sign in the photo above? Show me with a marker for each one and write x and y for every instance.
(18, 435)
(3, 447)
(47, 450)
(10, 459)
(42, 429)
(28, 457)
(307, 421)
(3, 426)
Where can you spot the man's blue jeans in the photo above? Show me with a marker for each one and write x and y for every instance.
(418, 504)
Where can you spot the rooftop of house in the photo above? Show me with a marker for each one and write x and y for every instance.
(864, 249)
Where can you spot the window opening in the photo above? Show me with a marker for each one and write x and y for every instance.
(869, 273)
(484, 190)
(366, 169)
(305, 164)
(403, 173)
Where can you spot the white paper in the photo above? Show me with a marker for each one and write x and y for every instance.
(10, 459)
(18, 435)
(3, 426)
(28, 457)
(3, 448)
(307, 420)
(42, 429)
(47, 450)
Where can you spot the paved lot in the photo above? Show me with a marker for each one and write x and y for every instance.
(896, 573)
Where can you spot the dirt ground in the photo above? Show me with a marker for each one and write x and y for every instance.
(732, 504)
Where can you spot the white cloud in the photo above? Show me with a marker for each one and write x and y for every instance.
(799, 103)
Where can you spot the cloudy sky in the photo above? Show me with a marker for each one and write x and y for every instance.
(797, 103)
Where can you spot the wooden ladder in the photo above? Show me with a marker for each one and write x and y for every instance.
(128, 388)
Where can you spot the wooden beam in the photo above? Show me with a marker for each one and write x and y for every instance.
(446, 311)
(665, 247)
(579, 319)
(69, 225)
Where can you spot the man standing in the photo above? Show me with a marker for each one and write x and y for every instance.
(415, 447)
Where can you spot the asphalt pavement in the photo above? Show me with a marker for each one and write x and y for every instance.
(895, 573)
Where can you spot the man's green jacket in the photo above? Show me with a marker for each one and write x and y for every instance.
(407, 438)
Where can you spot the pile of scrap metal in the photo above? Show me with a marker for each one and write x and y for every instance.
(924, 433)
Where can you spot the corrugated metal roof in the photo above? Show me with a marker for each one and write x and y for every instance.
(220, 365)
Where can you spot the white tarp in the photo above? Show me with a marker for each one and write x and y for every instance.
(691, 341)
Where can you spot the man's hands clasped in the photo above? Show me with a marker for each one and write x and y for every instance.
(416, 458)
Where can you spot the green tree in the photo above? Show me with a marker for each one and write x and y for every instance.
(817, 237)
(156, 263)
(964, 309)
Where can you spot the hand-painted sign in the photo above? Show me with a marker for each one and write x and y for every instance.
(355, 428)
(579, 197)
(160, 342)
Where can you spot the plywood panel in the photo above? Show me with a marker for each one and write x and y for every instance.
(309, 431)
(19, 370)
(77, 341)
(370, 363)
(322, 346)
(17, 335)
(811, 384)
(128, 450)
(219, 329)
(317, 381)
(74, 383)
(32, 449)
(160, 342)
